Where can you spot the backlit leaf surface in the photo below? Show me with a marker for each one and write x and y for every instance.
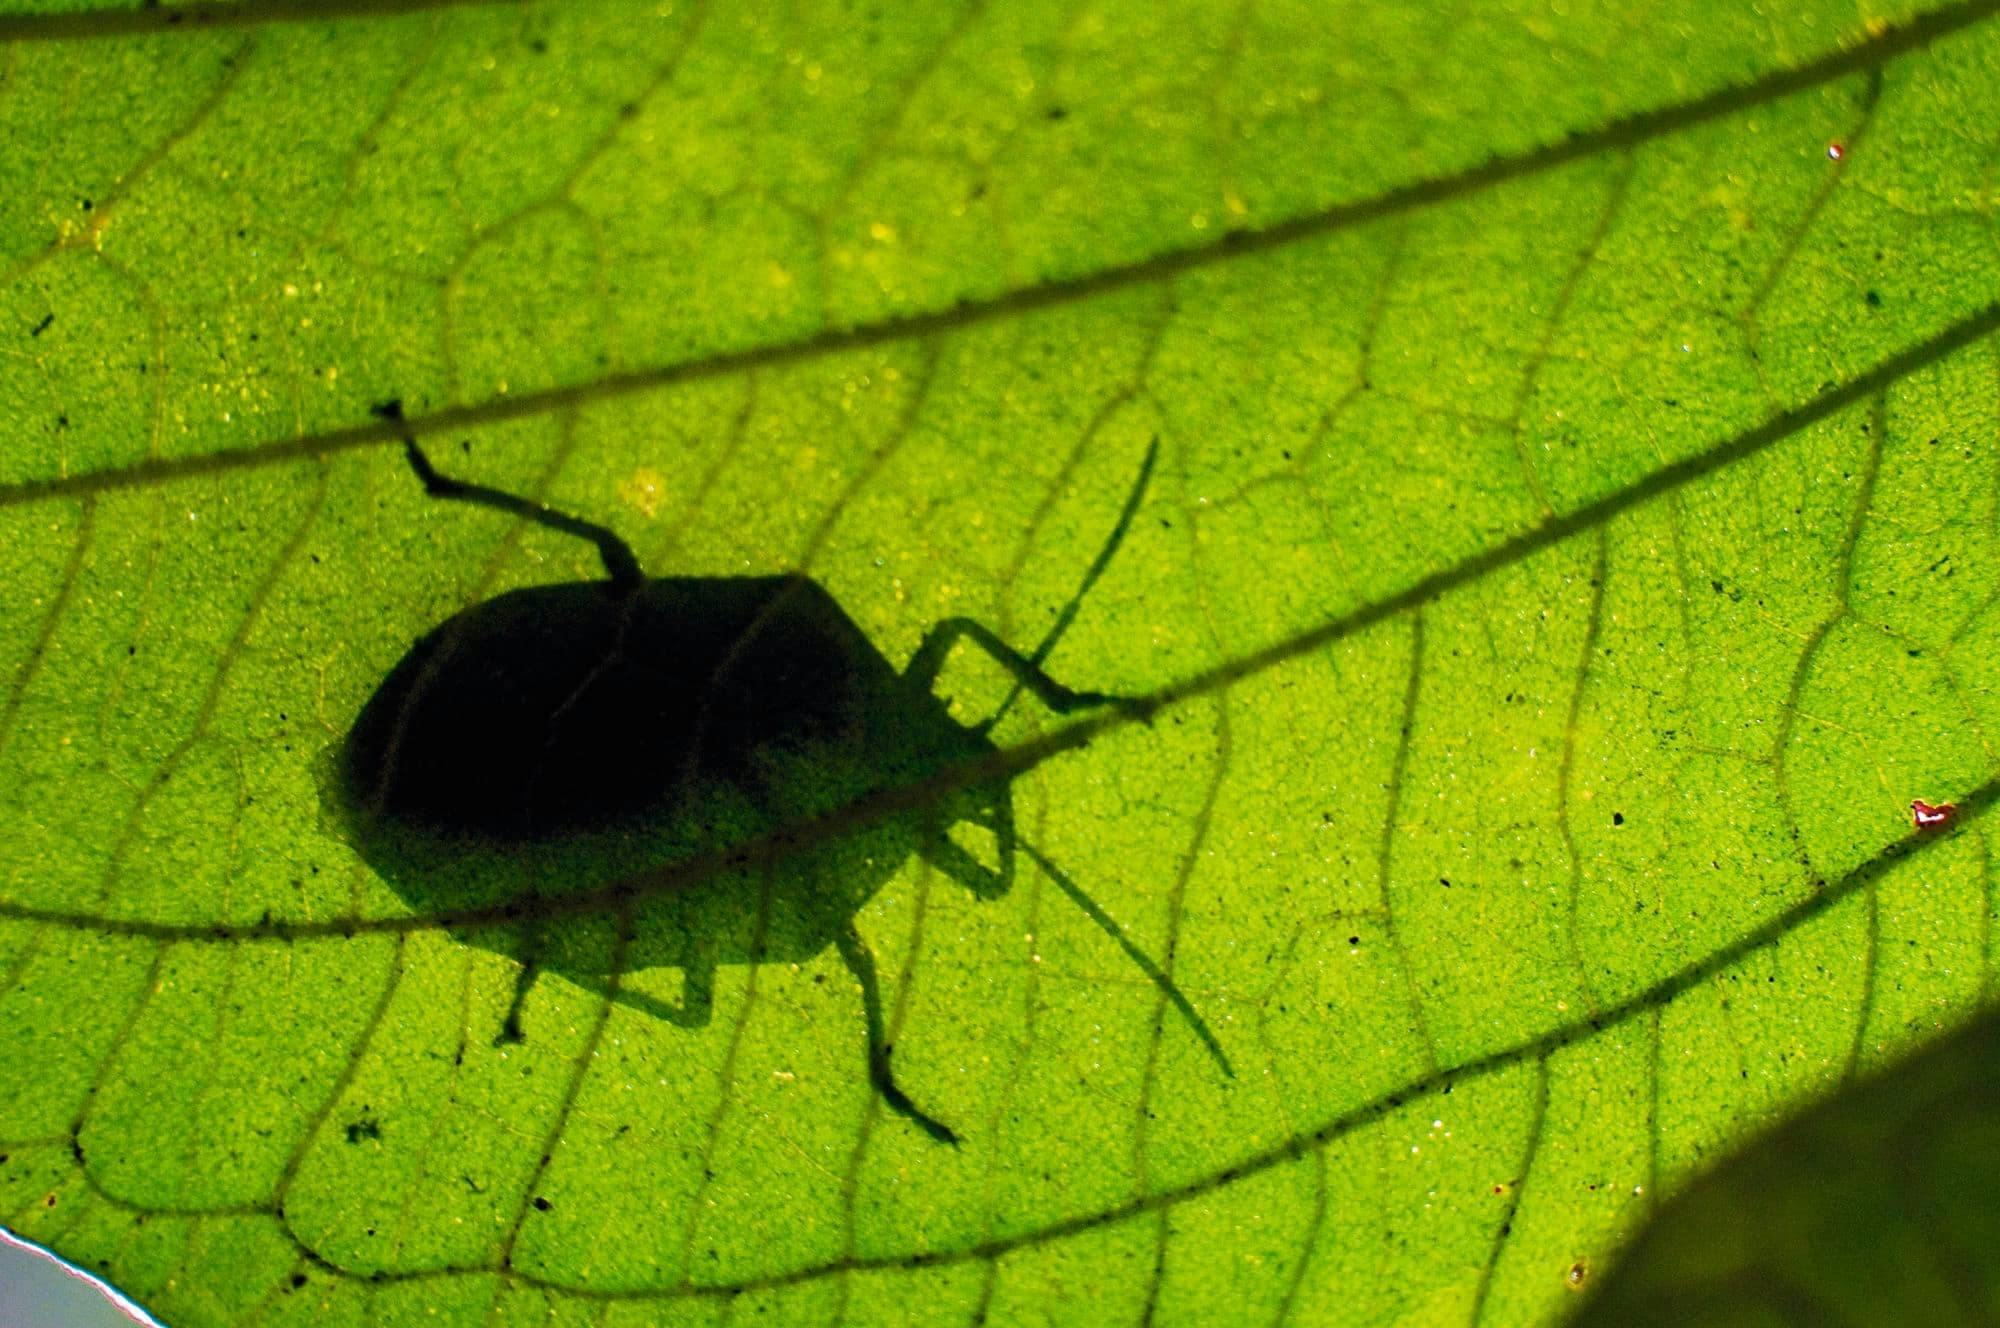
(1572, 547)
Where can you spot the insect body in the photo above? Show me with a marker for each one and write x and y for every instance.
(551, 739)
(565, 708)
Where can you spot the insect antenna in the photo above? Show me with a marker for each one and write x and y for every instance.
(1110, 927)
(619, 561)
(1095, 570)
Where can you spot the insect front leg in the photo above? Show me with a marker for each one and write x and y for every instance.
(861, 963)
(620, 563)
(929, 660)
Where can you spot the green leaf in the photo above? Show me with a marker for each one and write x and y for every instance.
(1875, 1207)
(1571, 548)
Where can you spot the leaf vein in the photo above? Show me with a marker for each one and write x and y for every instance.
(1619, 134)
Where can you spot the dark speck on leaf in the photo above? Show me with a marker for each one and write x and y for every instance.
(542, 1205)
(1057, 113)
(298, 1280)
(1354, 940)
(1874, 300)
(365, 1128)
(42, 326)
(1618, 818)
(539, 46)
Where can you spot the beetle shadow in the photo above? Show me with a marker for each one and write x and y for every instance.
(543, 761)
(600, 778)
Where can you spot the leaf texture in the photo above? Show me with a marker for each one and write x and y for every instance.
(1571, 548)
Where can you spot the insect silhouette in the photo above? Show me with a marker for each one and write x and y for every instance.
(550, 739)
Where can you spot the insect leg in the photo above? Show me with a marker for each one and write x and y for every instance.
(985, 882)
(531, 967)
(930, 656)
(697, 997)
(510, 1027)
(861, 963)
(620, 563)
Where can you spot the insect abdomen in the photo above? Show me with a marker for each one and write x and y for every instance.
(561, 708)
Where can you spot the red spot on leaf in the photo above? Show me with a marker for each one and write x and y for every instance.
(1931, 816)
(1836, 150)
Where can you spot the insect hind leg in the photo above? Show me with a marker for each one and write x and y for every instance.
(854, 951)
